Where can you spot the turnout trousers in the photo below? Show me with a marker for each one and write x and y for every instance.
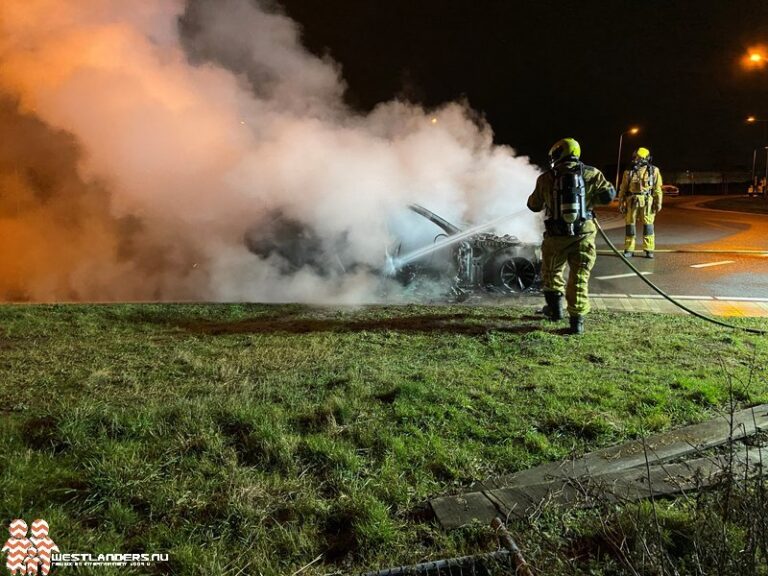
(580, 254)
(642, 205)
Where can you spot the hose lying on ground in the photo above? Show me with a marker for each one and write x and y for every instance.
(669, 298)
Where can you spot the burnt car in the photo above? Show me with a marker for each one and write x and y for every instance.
(473, 262)
(457, 262)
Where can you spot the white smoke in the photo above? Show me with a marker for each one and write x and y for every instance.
(199, 138)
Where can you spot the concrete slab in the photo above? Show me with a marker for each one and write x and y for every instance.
(636, 483)
(618, 472)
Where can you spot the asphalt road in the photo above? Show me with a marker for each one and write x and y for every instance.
(682, 225)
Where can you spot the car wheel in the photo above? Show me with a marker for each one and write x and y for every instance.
(515, 274)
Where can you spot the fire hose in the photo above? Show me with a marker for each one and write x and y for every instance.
(667, 296)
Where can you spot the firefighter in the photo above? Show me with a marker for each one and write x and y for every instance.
(567, 192)
(640, 192)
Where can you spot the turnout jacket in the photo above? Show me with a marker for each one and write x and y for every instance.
(645, 179)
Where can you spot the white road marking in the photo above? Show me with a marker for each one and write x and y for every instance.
(708, 264)
(679, 297)
(621, 276)
(741, 299)
(683, 297)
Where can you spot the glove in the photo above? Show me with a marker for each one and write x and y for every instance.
(656, 206)
(622, 206)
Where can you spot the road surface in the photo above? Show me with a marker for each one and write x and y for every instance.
(683, 225)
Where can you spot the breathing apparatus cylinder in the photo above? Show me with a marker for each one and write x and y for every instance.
(570, 201)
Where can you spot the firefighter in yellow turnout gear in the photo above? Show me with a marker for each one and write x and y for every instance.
(640, 193)
(567, 193)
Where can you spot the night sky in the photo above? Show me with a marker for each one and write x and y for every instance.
(540, 70)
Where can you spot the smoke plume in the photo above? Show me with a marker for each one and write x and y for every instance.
(143, 140)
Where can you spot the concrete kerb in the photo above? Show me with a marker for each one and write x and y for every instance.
(694, 251)
(656, 305)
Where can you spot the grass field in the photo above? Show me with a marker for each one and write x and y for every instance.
(246, 439)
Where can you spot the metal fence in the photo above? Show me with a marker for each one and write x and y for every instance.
(507, 561)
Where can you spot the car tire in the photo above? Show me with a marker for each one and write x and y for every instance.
(512, 274)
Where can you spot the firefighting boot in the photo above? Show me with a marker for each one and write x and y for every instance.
(554, 307)
(649, 254)
(628, 254)
(577, 325)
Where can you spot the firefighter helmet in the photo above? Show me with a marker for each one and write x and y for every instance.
(642, 155)
(565, 149)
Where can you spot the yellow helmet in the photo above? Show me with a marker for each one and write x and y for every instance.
(564, 149)
(643, 154)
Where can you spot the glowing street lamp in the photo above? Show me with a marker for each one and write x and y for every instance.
(634, 130)
(755, 58)
(764, 122)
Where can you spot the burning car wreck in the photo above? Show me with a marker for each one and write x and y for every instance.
(456, 262)
(471, 262)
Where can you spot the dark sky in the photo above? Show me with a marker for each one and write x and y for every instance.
(543, 69)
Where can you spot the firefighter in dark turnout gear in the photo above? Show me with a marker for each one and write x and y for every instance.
(567, 193)
(640, 193)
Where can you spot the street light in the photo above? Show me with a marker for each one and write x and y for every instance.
(754, 163)
(689, 173)
(634, 130)
(765, 182)
(755, 58)
(764, 122)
